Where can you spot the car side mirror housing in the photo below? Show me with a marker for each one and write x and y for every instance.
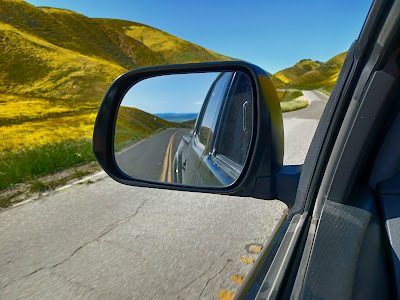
(233, 144)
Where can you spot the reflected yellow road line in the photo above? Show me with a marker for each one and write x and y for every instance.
(169, 179)
(167, 165)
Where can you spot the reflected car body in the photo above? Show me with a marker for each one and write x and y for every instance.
(215, 152)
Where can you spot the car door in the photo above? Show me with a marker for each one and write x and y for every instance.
(233, 133)
(199, 148)
(220, 143)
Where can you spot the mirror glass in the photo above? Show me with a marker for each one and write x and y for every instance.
(190, 129)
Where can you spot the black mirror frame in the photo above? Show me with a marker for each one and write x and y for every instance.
(264, 162)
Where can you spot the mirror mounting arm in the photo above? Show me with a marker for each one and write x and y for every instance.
(281, 186)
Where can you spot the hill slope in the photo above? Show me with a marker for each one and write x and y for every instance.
(300, 68)
(133, 124)
(58, 53)
(308, 74)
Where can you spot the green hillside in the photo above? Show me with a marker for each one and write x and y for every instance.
(56, 53)
(300, 68)
(308, 74)
(134, 124)
(169, 48)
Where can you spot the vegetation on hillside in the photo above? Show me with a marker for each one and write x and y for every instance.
(134, 124)
(308, 74)
(294, 104)
(291, 100)
(302, 67)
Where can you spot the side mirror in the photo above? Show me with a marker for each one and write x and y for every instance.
(210, 127)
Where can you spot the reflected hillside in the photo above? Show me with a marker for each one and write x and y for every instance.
(134, 124)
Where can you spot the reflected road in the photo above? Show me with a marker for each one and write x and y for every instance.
(152, 158)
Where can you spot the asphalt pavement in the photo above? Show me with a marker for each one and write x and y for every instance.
(98, 239)
(151, 158)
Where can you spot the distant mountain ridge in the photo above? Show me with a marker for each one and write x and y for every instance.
(177, 117)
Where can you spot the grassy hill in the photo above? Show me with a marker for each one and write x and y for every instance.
(56, 53)
(308, 74)
(300, 68)
(167, 47)
(134, 124)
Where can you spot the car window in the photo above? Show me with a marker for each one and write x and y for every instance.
(207, 124)
(236, 124)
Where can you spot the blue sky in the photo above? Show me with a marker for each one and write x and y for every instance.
(184, 93)
(271, 34)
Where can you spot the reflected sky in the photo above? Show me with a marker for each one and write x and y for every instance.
(182, 93)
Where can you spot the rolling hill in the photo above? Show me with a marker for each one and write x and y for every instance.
(309, 74)
(57, 53)
(300, 68)
(134, 124)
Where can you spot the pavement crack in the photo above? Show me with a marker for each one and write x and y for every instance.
(194, 280)
(23, 277)
(208, 281)
(106, 231)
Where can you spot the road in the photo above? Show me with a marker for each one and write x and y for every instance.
(300, 126)
(152, 158)
(98, 239)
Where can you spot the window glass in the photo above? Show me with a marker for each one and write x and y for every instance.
(213, 106)
(236, 125)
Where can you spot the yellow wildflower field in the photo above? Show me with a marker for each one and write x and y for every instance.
(16, 107)
(27, 122)
(31, 134)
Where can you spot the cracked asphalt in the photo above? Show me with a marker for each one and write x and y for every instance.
(105, 240)
(140, 244)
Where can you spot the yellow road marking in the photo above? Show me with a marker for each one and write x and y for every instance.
(165, 165)
(226, 295)
(170, 158)
(237, 278)
(255, 248)
(167, 160)
(247, 259)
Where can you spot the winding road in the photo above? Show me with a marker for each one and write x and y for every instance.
(98, 239)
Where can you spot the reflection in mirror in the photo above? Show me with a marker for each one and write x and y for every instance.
(190, 129)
